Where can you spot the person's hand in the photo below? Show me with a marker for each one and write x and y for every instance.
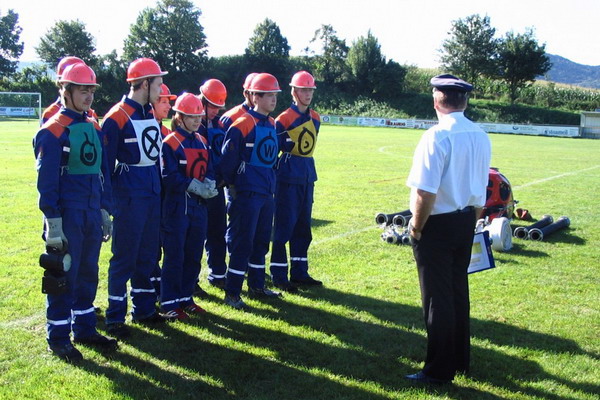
(107, 225)
(55, 236)
(205, 189)
(412, 231)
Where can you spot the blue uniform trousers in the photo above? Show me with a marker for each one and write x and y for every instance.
(215, 237)
(75, 309)
(184, 233)
(249, 234)
(135, 247)
(293, 213)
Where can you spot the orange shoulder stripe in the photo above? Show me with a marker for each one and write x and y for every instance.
(57, 124)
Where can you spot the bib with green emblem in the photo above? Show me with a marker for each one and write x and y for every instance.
(305, 139)
(85, 153)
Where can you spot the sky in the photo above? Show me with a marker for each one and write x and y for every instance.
(409, 31)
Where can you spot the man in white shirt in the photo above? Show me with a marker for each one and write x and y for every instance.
(448, 182)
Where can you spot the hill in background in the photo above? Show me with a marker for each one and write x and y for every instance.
(572, 73)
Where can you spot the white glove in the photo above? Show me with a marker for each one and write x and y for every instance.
(55, 236)
(212, 188)
(206, 189)
(107, 225)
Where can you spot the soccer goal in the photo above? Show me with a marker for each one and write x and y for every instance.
(20, 105)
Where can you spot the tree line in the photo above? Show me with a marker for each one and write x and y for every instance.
(172, 35)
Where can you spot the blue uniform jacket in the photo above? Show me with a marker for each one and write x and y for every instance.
(179, 170)
(216, 146)
(118, 130)
(292, 168)
(234, 167)
(230, 116)
(58, 189)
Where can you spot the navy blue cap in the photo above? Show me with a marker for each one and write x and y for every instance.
(447, 81)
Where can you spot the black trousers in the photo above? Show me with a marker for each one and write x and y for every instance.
(443, 255)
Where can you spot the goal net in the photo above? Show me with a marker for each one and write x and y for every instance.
(20, 105)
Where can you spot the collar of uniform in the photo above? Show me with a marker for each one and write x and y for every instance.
(142, 110)
(258, 116)
(74, 115)
(294, 107)
(185, 133)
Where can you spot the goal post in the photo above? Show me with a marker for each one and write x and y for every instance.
(21, 105)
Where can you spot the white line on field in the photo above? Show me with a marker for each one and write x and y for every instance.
(342, 235)
(383, 150)
(555, 177)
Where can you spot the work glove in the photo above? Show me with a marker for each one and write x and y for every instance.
(206, 189)
(107, 225)
(55, 236)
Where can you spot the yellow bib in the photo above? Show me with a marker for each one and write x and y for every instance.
(304, 138)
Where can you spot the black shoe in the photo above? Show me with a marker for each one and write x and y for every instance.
(154, 319)
(66, 352)
(98, 340)
(420, 377)
(286, 287)
(218, 283)
(308, 281)
(118, 330)
(200, 293)
(262, 293)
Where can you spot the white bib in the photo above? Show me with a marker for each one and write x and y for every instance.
(149, 141)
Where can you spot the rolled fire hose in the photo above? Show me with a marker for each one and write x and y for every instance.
(500, 234)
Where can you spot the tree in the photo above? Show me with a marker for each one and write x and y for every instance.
(268, 50)
(366, 63)
(10, 47)
(31, 79)
(331, 65)
(110, 74)
(471, 50)
(172, 36)
(520, 60)
(67, 38)
(267, 40)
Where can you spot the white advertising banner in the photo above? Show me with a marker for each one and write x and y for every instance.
(17, 111)
(542, 130)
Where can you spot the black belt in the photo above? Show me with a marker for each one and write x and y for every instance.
(467, 209)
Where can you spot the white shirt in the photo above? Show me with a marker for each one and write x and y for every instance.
(452, 160)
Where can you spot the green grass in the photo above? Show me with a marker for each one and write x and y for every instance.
(535, 318)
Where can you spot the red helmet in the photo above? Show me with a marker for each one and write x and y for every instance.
(264, 83)
(65, 62)
(143, 68)
(249, 80)
(188, 104)
(303, 79)
(165, 92)
(79, 74)
(500, 201)
(214, 92)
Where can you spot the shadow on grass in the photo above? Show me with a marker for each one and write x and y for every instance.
(315, 223)
(322, 355)
(497, 368)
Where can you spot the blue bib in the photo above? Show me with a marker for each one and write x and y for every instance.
(265, 148)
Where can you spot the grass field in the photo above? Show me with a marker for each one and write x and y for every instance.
(535, 318)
